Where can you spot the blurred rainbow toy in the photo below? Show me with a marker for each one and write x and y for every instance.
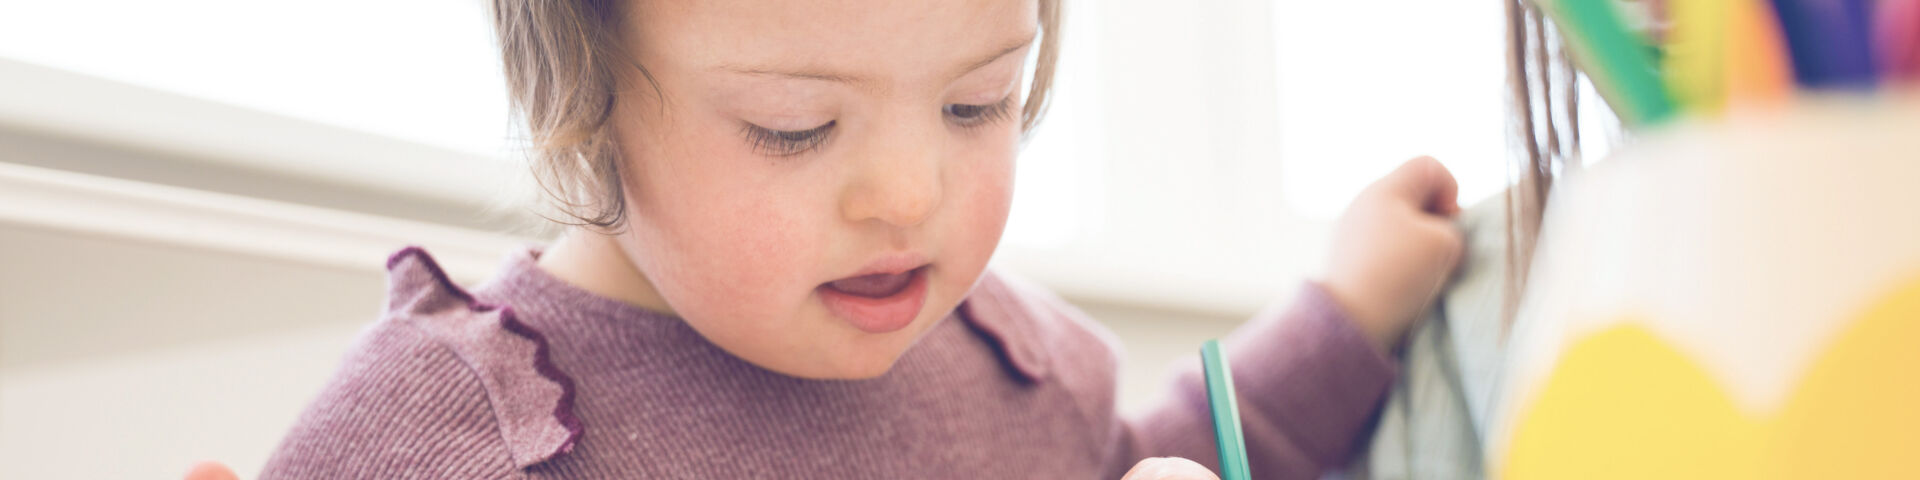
(1737, 298)
(1735, 293)
(1718, 53)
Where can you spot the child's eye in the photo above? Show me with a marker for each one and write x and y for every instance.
(785, 143)
(974, 115)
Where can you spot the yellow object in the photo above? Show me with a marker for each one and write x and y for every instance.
(1625, 403)
(1695, 59)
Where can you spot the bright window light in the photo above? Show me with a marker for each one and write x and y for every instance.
(418, 70)
(1364, 86)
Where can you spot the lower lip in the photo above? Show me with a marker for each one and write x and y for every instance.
(879, 315)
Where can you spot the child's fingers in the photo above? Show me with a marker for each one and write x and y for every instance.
(1168, 468)
(211, 470)
(1425, 182)
(1448, 239)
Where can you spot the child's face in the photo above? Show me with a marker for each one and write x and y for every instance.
(823, 181)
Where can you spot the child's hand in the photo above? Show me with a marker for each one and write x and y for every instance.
(1168, 468)
(1394, 248)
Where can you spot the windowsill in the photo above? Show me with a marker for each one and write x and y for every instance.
(206, 139)
(49, 199)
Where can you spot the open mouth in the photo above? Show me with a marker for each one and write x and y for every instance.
(877, 303)
(879, 285)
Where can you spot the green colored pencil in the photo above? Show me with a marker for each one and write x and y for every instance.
(1615, 59)
(1226, 413)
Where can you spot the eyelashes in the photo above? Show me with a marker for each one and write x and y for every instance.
(976, 115)
(785, 143)
(788, 143)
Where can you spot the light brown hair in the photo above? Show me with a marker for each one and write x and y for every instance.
(1544, 128)
(563, 61)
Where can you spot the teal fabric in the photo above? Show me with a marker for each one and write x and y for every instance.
(1435, 417)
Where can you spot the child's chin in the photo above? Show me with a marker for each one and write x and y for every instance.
(869, 364)
(866, 355)
(871, 359)
(838, 359)
(863, 372)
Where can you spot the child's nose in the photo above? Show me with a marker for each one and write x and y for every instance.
(899, 185)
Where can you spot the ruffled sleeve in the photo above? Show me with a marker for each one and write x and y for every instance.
(442, 386)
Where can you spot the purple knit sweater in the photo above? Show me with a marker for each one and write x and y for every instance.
(529, 377)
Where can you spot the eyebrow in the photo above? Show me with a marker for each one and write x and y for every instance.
(819, 74)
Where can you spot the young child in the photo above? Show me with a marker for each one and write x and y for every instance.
(785, 212)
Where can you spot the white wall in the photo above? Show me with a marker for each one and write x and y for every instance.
(143, 326)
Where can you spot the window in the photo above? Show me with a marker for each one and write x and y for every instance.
(424, 71)
(1366, 85)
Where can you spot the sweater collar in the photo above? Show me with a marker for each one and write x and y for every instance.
(997, 309)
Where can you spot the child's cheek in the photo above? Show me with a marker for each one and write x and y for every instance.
(981, 201)
(994, 196)
(754, 237)
(733, 246)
